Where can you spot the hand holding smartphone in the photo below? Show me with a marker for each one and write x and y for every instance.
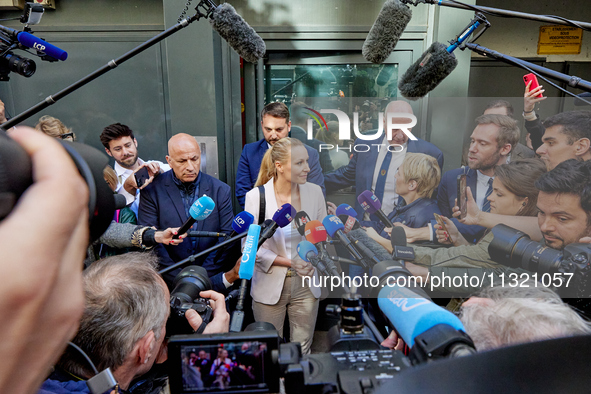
(440, 222)
(141, 176)
(462, 197)
(534, 82)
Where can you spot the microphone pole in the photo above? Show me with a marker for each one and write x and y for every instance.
(573, 81)
(50, 100)
(194, 257)
(502, 12)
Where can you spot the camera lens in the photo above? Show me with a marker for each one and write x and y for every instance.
(20, 65)
(515, 249)
(191, 281)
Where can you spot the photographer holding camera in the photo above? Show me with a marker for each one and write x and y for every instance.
(564, 217)
(123, 326)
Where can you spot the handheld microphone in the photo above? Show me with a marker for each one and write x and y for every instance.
(399, 249)
(434, 330)
(249, 252)
(307, 252)
(335, 228)
(245, 273)
(371, 204)
(434, 65)
(241, 223)
(316, 234)
(301, 219)
(346, 209)
(200, 210)
(349, 222)
(282, 217)
(239, 35)
(30, 41)
(386, 31)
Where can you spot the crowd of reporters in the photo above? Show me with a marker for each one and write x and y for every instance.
(117, 310)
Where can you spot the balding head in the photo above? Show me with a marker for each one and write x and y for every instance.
(184, 157)
(398, 136)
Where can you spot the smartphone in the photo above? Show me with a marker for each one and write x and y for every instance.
(141, 176)
(532, 77)
(461, 196)
(442, 224)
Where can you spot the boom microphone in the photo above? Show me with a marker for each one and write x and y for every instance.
(200, 210)
(30, 41)
(386, 31)
(371, 204)
(360, 236)
(239, 35)
(434, 65)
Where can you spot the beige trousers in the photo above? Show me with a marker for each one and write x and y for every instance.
(300, 304)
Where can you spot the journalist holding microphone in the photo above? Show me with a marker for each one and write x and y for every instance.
(276, 287)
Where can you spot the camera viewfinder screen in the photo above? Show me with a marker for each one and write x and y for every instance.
(235, 365)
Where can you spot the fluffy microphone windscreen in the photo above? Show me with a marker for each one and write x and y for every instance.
(427, 72)
(386, 31)
(239, 35)
(361, 236)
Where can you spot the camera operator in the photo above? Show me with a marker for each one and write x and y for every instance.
(42, 248)
(123, 326)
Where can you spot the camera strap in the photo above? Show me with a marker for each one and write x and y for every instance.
(206, 319)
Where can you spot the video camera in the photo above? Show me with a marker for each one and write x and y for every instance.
(566, 270)
(11, 39)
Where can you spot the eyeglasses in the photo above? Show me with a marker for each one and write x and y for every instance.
(67, 135)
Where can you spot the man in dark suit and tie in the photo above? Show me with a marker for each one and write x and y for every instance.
(166, 203)
(490, 144)
(374, 168)
(276, 125)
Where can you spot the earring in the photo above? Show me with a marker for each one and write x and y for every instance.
(524, 204)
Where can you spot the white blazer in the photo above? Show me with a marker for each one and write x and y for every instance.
(267, 280)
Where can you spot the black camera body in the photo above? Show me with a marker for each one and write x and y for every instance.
(236, 362)
(351, 372)
(191, 281)
(177, 322)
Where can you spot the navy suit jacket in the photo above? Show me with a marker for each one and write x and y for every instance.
(161, 206)
(250, 164)
(360, 170)
(446, 196)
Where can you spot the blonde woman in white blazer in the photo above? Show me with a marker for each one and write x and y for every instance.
(276, 287)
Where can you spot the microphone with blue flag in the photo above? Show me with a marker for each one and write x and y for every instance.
(200, 210)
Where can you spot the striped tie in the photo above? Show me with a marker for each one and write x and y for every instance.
(486, 203)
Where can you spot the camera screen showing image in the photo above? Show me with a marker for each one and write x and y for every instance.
(223, 364)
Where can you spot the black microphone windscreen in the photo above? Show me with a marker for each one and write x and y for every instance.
(120, 201)
(239, 35)
(386, 31)
(361, 236)
(398, 236)
(427, 72)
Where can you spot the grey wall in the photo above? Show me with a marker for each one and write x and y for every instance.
(93, 33)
